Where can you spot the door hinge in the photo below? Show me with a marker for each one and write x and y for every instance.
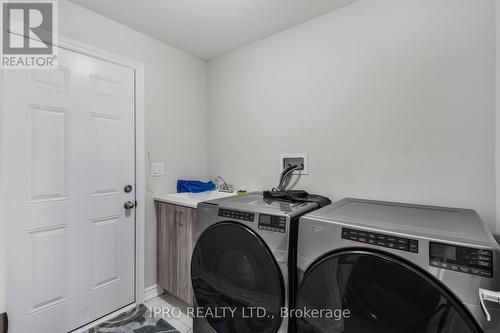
(4, 323)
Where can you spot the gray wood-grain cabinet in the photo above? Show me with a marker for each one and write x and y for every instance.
(175, 225)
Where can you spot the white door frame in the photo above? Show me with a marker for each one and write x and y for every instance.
(140, 168)
(3, 227)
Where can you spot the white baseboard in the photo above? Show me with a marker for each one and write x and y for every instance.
(149, 294)
(152, 292)
(86, 328)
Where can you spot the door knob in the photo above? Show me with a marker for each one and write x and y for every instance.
(129, 205)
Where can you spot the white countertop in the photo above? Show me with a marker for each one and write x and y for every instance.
(192, 199)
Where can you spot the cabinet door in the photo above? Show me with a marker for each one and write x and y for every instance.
(167, 256)
(186, 218)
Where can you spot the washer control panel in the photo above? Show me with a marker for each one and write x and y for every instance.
(461, 259)
(237, 215)
(373, 238)
(272, 223)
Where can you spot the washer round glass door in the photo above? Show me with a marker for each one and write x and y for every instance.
(381, 293)
(232, 269)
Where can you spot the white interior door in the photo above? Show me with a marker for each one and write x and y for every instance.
(69, 152)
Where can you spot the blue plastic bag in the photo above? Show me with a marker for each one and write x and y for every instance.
(194, 186)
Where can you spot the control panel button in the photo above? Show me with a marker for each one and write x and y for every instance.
(484, 263)
(464, 269)
(487, 274)
(485, 253)
(403, 241)
(436, 263)
(402, 247)
(413, 246)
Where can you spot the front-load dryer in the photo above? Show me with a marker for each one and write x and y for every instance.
(396, 268)
(240, 263)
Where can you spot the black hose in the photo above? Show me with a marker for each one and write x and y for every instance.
(285, 174)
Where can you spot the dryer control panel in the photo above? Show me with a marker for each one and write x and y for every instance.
(461, 259)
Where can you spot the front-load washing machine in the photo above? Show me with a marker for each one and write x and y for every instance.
(396, 268)
(240, 268)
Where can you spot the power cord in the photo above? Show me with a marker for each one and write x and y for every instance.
(284, 174)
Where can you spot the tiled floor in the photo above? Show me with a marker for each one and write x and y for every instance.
(180, 321)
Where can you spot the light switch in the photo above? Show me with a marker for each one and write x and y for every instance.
(158, 169)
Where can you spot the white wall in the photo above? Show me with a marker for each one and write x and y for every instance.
(175, 98)
(392, 99)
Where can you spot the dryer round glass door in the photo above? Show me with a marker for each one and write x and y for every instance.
(382, 294)
(232, 269)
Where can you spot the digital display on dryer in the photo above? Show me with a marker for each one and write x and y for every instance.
(443, 251)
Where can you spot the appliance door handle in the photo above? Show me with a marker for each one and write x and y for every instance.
(488, 295)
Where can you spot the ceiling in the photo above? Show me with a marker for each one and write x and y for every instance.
(210, 28)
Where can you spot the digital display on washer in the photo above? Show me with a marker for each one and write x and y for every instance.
(265, 220)
(461, 259)
(272, 223)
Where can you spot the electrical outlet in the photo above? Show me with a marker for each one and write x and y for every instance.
(299, 159)
(157, 169)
